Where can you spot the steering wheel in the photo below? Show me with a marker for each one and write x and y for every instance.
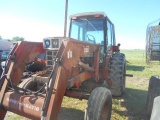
(90, 38)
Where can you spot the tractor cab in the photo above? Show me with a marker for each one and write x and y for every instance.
(93, 27)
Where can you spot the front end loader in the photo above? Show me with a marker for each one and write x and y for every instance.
(86, 65)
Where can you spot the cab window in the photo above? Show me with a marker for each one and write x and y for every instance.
(87, 30)
(110, 34)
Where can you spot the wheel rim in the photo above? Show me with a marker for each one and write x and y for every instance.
(105, 111)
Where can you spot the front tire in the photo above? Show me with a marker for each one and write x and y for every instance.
(28, 83)
(99, 105)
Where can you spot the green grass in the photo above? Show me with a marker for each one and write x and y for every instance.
(137, 64)
(132, 105)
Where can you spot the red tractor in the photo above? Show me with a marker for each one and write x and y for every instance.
(86, 65)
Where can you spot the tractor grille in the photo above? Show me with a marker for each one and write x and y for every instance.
(50, 56)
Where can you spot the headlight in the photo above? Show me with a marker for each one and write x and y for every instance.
(47, 43)
(55, 43)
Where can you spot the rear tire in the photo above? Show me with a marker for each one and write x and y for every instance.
(117, 71)
(153, 91)
(99, 105)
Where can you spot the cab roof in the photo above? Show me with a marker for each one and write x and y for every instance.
(102, 14)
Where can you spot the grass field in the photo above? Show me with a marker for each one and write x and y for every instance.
(131, 106)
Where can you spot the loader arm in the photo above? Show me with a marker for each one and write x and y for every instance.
(47, 106)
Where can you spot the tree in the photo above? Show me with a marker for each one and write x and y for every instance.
(16, 38)
(0, 38)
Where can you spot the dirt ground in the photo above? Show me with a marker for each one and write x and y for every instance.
(133, 106)
(65, 114)
(135, 98)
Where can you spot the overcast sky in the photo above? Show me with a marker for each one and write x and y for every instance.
(37, 19)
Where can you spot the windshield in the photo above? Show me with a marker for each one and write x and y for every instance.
(88, 30)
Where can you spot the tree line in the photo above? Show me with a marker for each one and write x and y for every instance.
(14, 39)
